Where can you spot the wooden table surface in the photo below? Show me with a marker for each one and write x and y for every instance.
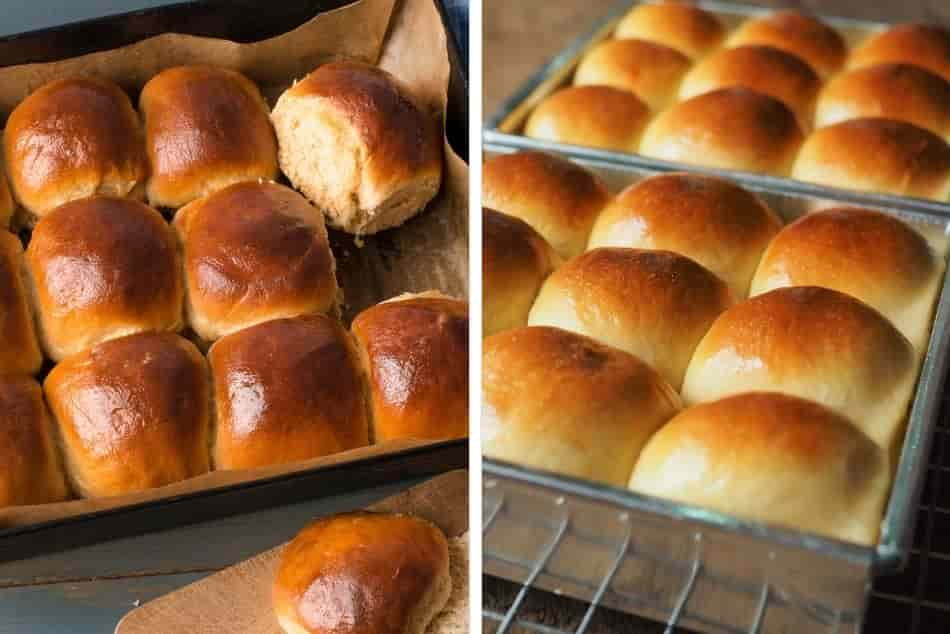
(88, 590)
(519, 37)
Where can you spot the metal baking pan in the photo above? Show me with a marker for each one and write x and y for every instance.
(245, 21)
(705, 570)
(506, 125)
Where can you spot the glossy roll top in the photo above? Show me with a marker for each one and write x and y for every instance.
(205, 128)
(414, 351)
(515, 261)
(813, 343)
(362, 573)
(679, 25)
(710, 220)
(924, 45)
(286, 390)
(354, 141)
(770, 458)
(102, 268)
(73, 138)
(649, 70)
(558, 198)
(804, 36)
(656, 305)
(254, 251)
(132, 413)
(593, 116)
(869, 255)
(878, 155)
(730, 128)
(562, 402)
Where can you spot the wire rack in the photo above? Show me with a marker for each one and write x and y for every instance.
(916, 601)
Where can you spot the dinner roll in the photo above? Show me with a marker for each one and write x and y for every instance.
(711, 220)
(19, 347)
(814, 343)
(73, 138)
(592, 116)
(562, 402)
(867, 254)
(770, 458)
(414, 351)
(286, 390)
(32, 473)
(515, 261)
(7, 206)
(649, 70)
(558, 198)
(688, 29)
(731, 128)
(357, 573)
(253, 251)
(354, 142)
(101, 268)
(804, 36)
(764, 69)
(132, 413)
(205, 128)
(655, 305)
(893, 91)
(879, 155)
(924, 45)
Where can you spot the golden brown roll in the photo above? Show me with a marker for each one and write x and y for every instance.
(770, 458)
(414, 352)
(867, 254)
(354, 142)
(656, 305)
(286, 390)
(32, 472)
(132, 414)
(73, 138)
(7, 206)
(924, 45)
(558, 198)
(893, 91)
(764, 69)
(102, 268)
(591, 116)
(688, 29)
(515, 261)
(360, 573)
(878, 155)
(731, 128)
(19, 347)
(649, 70)
(205, 128)
(710, 220)
(813, 343)
(253, 251)
(804, 36)
(562, 402)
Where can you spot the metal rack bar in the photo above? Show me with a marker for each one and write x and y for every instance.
(605, 584)
(688, 588)
(535, 573)
(760, 610)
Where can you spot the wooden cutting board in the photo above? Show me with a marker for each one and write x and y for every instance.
(237, 600)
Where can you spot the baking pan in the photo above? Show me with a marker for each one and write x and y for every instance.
(707, 570)
(244, 21)
(506, 124)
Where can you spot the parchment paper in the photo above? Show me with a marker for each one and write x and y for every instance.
(407, 38)
(237, 600)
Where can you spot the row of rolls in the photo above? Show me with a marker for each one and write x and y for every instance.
(138, 351)
(782, 94)
(681, 340)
